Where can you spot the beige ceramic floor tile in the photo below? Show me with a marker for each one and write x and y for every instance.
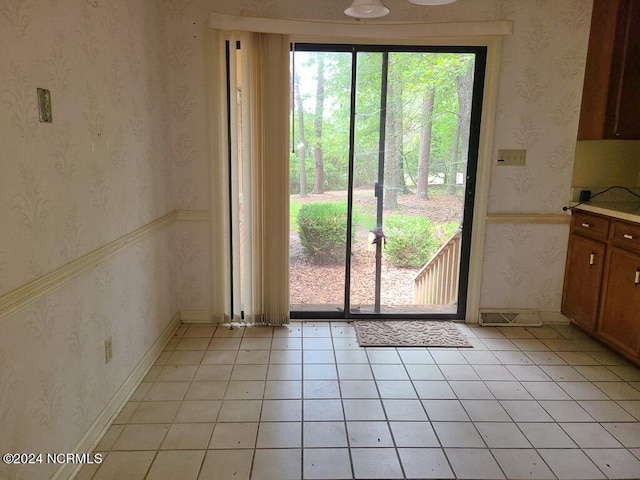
(324, 410)
(281, 411)
(283, 390)
(525, 411)
(279, 435)
(399, 409)
(234, 436)
(213, 373)
(485, 411)
(523, 464)
(240, 411)
(458, 434)
(206, 390)
(324, 434)
(192, 411)
(566, 411)
(155, 412)
(326, 463)
(223, 464)
(571, 464)
(590, 435)
(193, 343)
(546, 435)
(129, 465)
(396, 389)
(285, 464)
(628, 434)
(369, 434)
(176, 465)
(413, 434)
(376, 463)
(358, 389)
(474, 463)
(502, 435)
(245, 390)
(176, 373)
(445, 410)
(141, 437)
(188, 436)
(615, 463)
(249, 372)
(166, 391)
(363, 409)
(606, 411)
(425, 463)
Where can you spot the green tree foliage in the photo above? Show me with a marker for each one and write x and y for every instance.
(323, 231)
(411, 241)
(414, 75)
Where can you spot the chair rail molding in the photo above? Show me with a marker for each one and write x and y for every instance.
(28, 293)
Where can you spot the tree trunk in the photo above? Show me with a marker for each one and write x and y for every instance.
(425, 144)
(393, 150)
(302, 146)
(318, 186)
(465, 92)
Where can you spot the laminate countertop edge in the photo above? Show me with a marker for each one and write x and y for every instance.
(620, 210)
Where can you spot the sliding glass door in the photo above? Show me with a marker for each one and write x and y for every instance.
(384, 157)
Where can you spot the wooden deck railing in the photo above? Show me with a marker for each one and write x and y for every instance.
(437, 282)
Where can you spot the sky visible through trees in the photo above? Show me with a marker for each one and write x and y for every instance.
(428, 106)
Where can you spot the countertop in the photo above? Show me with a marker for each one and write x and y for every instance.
(629, 211)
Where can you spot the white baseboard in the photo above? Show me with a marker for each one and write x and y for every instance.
(117, 402)
(523, 317)
(196, 316)
(553, 318)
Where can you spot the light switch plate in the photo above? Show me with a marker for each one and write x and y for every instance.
(44, 105)
(512, 158)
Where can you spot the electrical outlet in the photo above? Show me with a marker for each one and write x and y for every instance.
(512, 158)
(108, 350)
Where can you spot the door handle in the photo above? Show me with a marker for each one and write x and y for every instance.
(379, 236)
(592, 259)
(637, 280)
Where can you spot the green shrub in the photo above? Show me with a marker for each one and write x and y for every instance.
(323, 230)
(411, 241)
(445, 231)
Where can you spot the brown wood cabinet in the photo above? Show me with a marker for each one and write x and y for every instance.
(602, 281)
(583, 281)
(611, 93)
(620, 310)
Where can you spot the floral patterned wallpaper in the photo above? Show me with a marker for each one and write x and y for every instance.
(128, 144)
(101, 170)
(540, 88)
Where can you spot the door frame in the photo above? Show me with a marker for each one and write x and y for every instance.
(472, 181)
(489, 34)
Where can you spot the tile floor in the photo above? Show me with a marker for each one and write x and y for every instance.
(305, 401)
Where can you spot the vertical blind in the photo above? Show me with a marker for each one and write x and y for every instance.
(250, 176)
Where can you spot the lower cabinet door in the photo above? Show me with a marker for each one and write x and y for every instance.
(583, 279)
(620, 312)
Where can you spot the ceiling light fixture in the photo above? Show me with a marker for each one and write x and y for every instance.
(431, 2)
(367, 9)
(376, 9)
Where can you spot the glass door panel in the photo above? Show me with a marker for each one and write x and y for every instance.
(319, 180)
(411, 121)
(382, 173)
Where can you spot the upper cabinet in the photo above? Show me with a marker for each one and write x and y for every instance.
(611, 94)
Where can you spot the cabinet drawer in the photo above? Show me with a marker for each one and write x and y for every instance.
(626, 235)
(590, 225)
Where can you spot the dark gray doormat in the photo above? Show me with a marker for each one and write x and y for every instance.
(409, 333)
